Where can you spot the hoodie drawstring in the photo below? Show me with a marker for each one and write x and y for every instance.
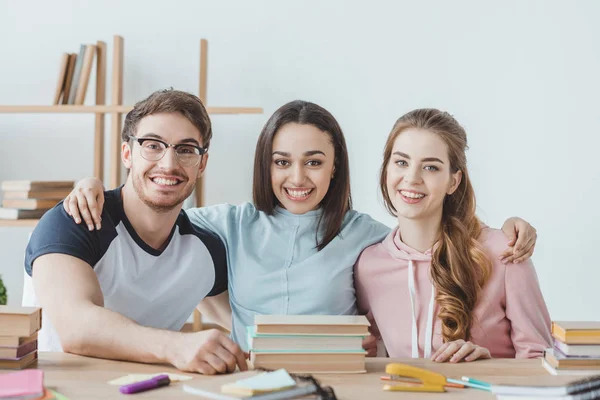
(415, 330)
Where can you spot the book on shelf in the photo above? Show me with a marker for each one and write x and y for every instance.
(15, 213)
(20, 321)
(351, 325)
(29, 204)
(69, 78)
(62, 75)
(77, 74)
(16, 341)
(84, 76)
(24, 185)
(302, 342)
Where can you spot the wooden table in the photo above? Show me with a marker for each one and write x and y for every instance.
(85, 378)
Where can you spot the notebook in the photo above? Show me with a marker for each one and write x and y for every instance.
(23, 384)
(576, 387)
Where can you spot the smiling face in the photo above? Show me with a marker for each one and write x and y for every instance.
(419, 175)
(302, 166)
(164, 184)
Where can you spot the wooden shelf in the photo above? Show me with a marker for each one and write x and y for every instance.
(118, 109)
(18, 222)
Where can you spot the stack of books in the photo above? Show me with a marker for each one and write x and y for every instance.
(576, 348)
(31, 199)
(18, 336)
(309, 343)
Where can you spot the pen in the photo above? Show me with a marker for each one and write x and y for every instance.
(153, 383)
(475, 381)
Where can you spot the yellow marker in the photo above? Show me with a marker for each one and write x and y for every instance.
(429, 381)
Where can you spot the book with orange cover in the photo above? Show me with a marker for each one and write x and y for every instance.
(353, 325)
(20, 321)
(577, 332)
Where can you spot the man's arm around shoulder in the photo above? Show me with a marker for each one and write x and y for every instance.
(70, 295)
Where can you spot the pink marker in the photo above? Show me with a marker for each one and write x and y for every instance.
(153, 383)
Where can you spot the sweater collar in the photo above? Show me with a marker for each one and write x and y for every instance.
(400, 250)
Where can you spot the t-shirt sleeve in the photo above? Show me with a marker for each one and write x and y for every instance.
(219, 256)
(216, 247)
(216, 218)
(58, 233)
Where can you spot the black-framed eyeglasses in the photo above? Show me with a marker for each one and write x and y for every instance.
(152, 149)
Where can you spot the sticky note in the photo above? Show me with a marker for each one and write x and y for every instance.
(261, 383)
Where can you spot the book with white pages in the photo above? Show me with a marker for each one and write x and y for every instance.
(574, 372)
(578, 350)
(580, 387)
(326, 343)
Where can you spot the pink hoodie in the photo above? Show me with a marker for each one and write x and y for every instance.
(511, 318)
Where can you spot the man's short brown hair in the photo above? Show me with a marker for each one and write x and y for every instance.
(170, 101)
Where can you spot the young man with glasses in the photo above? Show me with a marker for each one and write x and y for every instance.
(124, 291)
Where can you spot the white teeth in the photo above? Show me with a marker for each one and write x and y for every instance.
(163, 181)
(412, 195)
(298, 193)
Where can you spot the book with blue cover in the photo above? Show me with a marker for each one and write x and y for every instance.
(303, 343)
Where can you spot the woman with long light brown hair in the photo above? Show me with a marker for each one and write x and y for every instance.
(439, 269)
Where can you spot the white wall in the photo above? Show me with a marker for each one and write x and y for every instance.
(522, 76)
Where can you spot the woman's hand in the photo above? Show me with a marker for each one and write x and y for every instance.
(86, 201)
(522, 237)
(459, 350)
(369, 344)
